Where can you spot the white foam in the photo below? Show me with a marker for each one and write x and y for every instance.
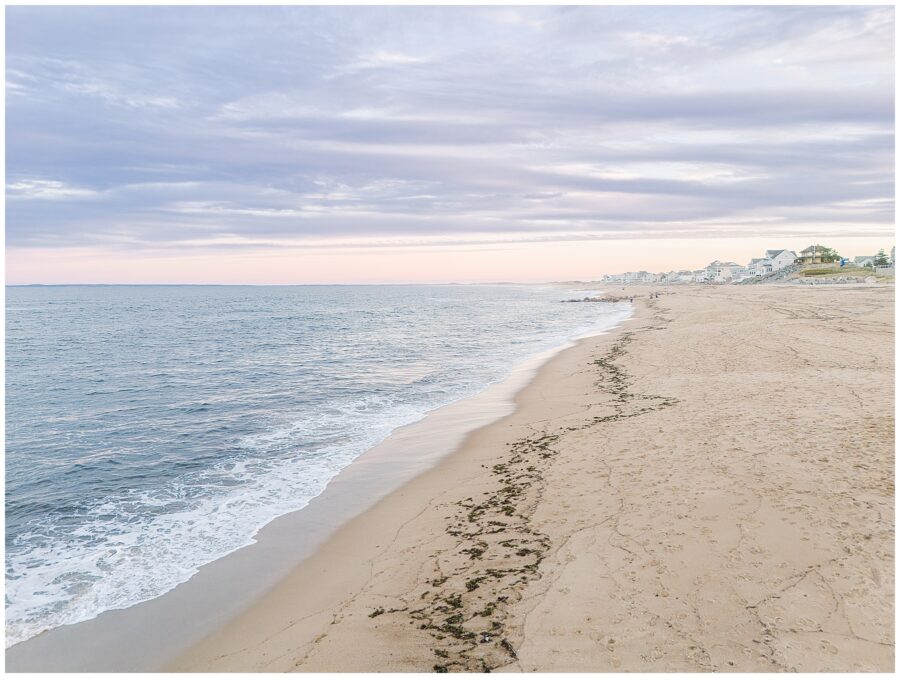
(144, 544)
(107, 564)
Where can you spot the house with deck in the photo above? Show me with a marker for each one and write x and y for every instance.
(760, 266)
(725, 271)
(815, 254)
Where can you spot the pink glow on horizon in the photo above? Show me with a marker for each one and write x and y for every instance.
(514, 262)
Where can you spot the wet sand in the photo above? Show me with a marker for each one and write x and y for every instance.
(148, 635)
(708, 488)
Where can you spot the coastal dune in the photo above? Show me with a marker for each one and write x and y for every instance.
(707, 488)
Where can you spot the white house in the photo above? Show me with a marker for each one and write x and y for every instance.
(714, 270)
(722, 271)
(741, 273)
(868, 260)
(760, 266)
(700, 275)
(780, 258)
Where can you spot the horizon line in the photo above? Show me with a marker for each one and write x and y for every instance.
(335, 284)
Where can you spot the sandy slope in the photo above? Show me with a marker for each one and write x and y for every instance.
(710, 488)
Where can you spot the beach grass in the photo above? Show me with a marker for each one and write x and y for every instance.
(846, 270)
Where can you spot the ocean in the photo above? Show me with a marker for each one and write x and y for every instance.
(153, 429)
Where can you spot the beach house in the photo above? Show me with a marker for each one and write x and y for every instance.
(760, 266)
(867, 260)
(725, 271)
(816, 254)
(780, 258)
(636, 276)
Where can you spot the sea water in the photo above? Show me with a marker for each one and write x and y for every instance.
(153, 429)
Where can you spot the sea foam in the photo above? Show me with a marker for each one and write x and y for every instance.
(152, 430)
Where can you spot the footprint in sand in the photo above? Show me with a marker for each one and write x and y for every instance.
(828, 647)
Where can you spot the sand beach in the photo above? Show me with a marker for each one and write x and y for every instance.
(450, 339)
(707, 488)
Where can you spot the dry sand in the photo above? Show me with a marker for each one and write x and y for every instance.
(708, 488)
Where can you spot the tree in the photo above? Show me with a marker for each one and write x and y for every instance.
(881, 259)
(829, 255)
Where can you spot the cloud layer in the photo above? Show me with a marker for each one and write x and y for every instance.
(176, 128)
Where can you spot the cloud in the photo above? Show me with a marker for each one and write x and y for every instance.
(171, 127)
(385, 59)
(44, 189)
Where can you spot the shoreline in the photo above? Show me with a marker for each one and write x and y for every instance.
(655, 503)
(336, 571)
(150, 634)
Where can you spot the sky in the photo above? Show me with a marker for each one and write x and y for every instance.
(405, 144)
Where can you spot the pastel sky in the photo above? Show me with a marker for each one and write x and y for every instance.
(304, 144)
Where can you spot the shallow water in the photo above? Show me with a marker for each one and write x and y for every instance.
(151, 430)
